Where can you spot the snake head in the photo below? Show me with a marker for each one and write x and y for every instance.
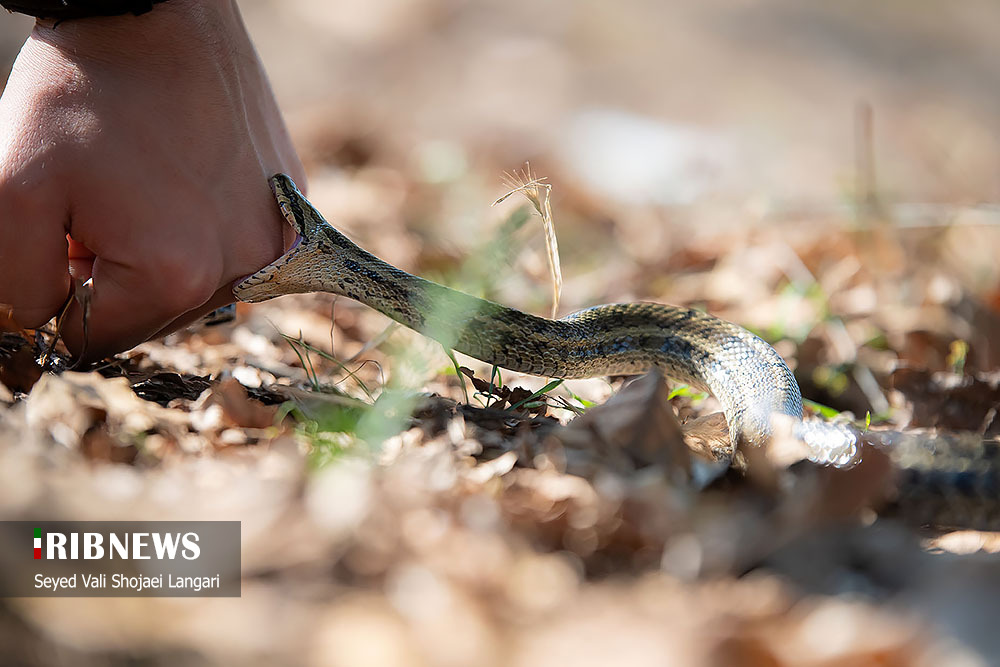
(296, 209)
(312, 257)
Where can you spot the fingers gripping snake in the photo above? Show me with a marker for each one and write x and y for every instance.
(747, 376)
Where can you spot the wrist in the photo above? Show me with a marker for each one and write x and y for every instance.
(73, 9)
(177, 33)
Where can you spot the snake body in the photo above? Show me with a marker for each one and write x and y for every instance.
(747, 376)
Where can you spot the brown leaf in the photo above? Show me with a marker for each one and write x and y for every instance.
(840, 493)
(18, 370)
(636, 428)
(958, 402)
(966, 542)
(708, 435)
(745, 650)
(518, 395)
(7, 321)
(69, 405)
(501, 393)
(926, 349)
(239, 408)
(97, 444)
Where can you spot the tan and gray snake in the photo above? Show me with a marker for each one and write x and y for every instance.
(747, 376)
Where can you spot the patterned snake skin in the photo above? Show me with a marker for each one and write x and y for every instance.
(747, 376)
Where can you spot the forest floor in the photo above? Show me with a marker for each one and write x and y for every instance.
(395, 511)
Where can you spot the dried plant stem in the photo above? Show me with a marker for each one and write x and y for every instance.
(538, 193)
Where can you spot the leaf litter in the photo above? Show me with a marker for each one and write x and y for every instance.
(504, 532)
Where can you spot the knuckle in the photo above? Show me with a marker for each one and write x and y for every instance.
(21, 200)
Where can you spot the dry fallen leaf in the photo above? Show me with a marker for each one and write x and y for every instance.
(7, 322)
(636, 428)
(69, 405)
(708, 435)
(19, 371)
(958, 402)
(238, 408)
(97, 444)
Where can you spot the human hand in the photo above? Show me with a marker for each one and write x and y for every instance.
(136, 150)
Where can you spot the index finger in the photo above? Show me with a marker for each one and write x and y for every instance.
(34, 275)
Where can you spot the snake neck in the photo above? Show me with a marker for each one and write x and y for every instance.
(451, 317)
(325, 260)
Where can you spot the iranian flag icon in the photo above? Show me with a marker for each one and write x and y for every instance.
(38, 543)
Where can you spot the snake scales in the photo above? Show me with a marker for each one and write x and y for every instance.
(747, 376)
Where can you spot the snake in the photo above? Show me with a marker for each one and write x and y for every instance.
(747, 376)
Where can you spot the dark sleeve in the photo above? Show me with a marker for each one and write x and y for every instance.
(76, 9)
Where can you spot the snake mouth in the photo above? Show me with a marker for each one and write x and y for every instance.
(267, 272)
(279, 184)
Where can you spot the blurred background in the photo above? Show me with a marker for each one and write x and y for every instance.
(732, 99)
(650, 101)
(826, 174)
